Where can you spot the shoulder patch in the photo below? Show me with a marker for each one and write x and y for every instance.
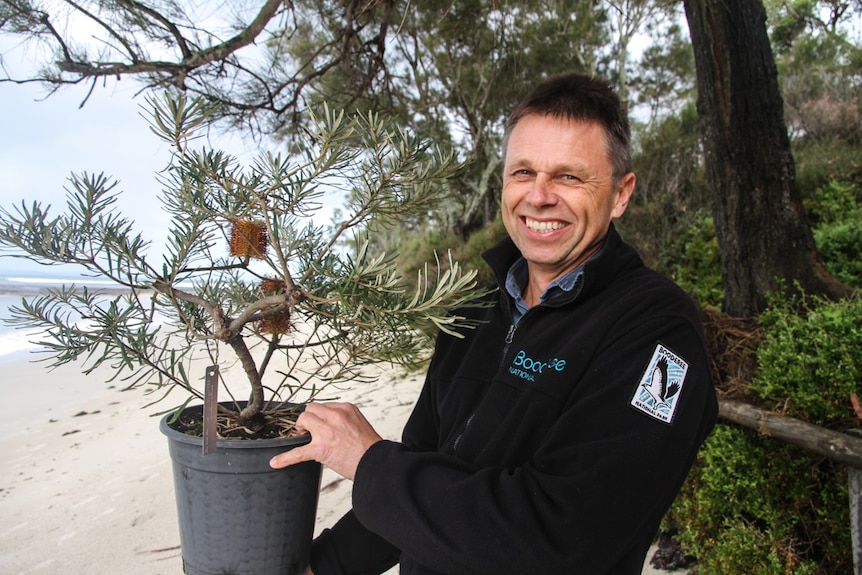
(658, 391)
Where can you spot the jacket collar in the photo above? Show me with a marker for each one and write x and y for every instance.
(597, 273)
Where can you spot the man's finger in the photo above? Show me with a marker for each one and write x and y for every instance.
(292, 457)
(340, 436)
(309, 420)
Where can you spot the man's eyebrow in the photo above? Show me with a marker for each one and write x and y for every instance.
(518, 164)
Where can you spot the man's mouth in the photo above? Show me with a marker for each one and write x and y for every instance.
(541, 227)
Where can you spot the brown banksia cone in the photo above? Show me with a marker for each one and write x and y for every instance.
(248, 239)
(279, 323)
(272, 286)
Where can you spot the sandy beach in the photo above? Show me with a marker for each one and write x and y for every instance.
(86, 486)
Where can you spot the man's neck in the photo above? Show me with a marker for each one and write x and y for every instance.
(539, 277)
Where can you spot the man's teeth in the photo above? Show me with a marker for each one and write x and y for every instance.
(537, 226)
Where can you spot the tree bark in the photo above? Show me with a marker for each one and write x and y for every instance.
(840, 447)
(760, 223)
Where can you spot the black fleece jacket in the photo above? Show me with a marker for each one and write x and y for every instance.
(553, 447)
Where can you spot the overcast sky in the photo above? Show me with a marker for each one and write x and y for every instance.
(45, 140)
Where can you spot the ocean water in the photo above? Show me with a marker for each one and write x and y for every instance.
(17, 284)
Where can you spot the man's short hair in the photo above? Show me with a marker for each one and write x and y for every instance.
(579, 97)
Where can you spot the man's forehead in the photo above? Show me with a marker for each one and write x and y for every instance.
(551, 122)
(525, 150)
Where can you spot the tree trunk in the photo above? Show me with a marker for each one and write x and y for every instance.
(760, 222)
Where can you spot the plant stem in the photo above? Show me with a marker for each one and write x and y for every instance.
(255, 401)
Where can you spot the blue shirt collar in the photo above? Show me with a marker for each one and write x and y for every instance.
(516, 281)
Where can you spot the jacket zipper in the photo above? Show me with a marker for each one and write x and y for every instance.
(506, 343)
(463, 431)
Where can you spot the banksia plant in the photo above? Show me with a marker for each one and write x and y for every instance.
(296, 305)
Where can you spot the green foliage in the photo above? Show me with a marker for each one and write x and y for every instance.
(840, 246)
(789, 25)
(450, 69)
(755, 505)
(742, 548)
(818, 57)
(698, 270)
(666, 79)
(812, 363)
(837, 213)
(417, 249)
(830, 180)
(670, 195)
(470, 252)
(819, 163)
(287, 288)
(835, 202)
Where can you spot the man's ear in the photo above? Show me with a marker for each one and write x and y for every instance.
(624, 194)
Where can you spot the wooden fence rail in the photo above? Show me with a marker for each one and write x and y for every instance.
(845, 448)
(835, 445)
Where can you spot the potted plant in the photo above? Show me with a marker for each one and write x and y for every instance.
(246, 282)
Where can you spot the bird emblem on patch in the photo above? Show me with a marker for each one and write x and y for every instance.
(659, 389)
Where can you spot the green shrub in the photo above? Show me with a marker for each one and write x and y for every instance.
(415, 250)
(819, 162)
(834, 202)
(757, 505)
(811, 358)
(671, 191)
(742, 548)
(753, 505)
(840, 246)
(470, 252)
(836, 213)
(698, 269)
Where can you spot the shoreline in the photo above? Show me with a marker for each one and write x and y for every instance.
(87, 486)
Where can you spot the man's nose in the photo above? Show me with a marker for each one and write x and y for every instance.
(541, 193)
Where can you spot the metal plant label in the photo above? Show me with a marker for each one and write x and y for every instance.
(210, 409)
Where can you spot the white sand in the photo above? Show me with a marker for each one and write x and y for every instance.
(92, 493)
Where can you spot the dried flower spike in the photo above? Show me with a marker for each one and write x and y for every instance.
(279, 323)
(272, 286)
(248, 239)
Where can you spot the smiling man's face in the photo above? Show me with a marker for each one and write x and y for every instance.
(558, 193)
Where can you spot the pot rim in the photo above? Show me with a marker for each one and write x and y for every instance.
(175, 435)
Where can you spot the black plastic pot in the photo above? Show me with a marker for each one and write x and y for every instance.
(237, 515)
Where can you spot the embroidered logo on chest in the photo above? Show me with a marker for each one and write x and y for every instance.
(659, 389)
(527, 368)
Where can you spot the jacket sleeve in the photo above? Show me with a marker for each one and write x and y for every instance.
(594, 489)
(350, 548)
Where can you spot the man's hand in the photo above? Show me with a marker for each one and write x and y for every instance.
(340, 436)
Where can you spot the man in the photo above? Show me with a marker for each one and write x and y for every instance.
(552, 438)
